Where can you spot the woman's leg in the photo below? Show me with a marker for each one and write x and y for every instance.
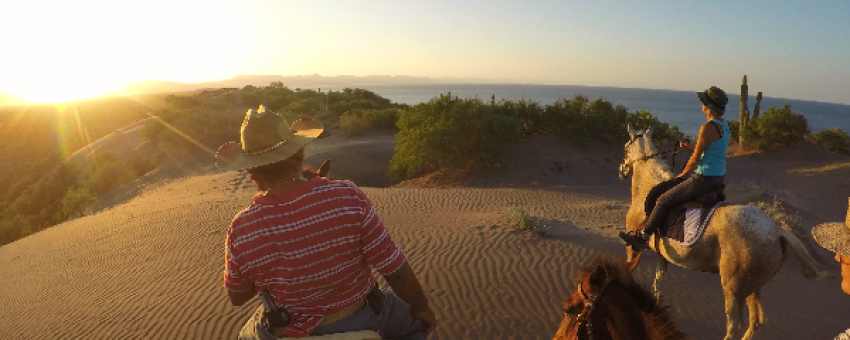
(678, 194)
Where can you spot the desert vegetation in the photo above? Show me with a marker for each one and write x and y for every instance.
(778, 127)
(40, 187)
(522, 220)
(461, 134)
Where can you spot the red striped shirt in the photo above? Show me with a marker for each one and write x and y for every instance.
(312, 248)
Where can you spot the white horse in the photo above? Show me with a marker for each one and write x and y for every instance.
(741, 242)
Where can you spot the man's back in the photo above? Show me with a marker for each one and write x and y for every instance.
(310, 248)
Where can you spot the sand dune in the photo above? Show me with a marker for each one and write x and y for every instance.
(149, 264)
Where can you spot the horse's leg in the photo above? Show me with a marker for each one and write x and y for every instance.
(756, 315)
(734, 303)
(660, 269)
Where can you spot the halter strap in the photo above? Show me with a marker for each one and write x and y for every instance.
(589, 305)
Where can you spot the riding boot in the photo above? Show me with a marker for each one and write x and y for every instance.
(637, 240)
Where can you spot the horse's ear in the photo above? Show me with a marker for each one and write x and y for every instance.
(632, 132)
(648, 133)
(324, 168)
(633, 264)
(598, 276)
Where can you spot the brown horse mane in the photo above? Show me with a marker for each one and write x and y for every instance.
(661, 323)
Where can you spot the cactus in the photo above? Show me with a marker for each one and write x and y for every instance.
(758, 106)
(745, 114)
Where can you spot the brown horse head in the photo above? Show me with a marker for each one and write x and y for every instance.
(609, 305)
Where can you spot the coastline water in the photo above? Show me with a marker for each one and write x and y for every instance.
(680, 108)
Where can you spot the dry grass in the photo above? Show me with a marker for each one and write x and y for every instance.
(521, 220)
(822, 169)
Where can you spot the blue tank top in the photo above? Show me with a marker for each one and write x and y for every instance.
(712, 162)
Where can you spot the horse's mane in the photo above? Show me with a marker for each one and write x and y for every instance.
(663, 325)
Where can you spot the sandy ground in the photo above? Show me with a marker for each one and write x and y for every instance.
(148, 264)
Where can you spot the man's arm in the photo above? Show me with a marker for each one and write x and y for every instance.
(240, 298)
(405, 284)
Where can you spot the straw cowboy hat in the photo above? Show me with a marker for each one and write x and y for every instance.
(834, 236)
(714, 99)
(266, 138)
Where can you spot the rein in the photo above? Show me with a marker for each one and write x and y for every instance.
(589, 305)
(627, 164)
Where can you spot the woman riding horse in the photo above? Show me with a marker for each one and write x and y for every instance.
(709, 158)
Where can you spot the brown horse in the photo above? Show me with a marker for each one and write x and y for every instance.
(609, 305)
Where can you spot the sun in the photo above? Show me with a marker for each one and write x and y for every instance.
(89, 48)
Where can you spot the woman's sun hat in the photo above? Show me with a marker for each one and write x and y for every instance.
(266, 138)
(834, 236)
(714, 99)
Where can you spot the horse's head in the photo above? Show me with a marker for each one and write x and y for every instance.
(637, 148)
(579, 307)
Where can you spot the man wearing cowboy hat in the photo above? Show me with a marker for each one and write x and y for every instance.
(836, 238)
(312, 244)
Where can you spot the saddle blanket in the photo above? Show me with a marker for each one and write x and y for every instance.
(690, 225)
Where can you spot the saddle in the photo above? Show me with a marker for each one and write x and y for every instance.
(691, 214)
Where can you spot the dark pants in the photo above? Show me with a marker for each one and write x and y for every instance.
(394, 322)
(680, 193)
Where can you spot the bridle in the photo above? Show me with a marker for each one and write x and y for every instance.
(626, 166)
(589, 301)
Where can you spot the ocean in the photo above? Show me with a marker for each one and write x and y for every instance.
(680, 108)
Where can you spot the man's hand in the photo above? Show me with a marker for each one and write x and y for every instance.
(426, 318)
(405, 284)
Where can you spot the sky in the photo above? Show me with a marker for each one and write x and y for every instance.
(61, 50)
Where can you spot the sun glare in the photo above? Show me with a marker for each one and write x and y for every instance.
(88, 48)
(53, 94)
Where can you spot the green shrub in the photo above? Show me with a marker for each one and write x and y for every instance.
(448, 133)
(109, 176)
(835, 140)
(662, 133)
(77, 201)
(13, 228)
(521, 220)
(380, 119)
(351, 124)
(735, 128)
(583, 120)
(355, 122)
(776, 127)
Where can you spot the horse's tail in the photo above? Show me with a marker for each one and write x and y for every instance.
(809, 266)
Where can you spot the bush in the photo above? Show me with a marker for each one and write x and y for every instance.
(109, 176)
(521, 220)
(448, 133)
(583, 120)
(662, 133)
(776, 127)
(355, 122)
(351, 124)
(835, 140)
(14, 228)
(77, 201)
(735, 128)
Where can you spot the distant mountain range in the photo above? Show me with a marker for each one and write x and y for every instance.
(264, 80)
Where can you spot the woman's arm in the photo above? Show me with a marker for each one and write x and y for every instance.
(706, 135)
